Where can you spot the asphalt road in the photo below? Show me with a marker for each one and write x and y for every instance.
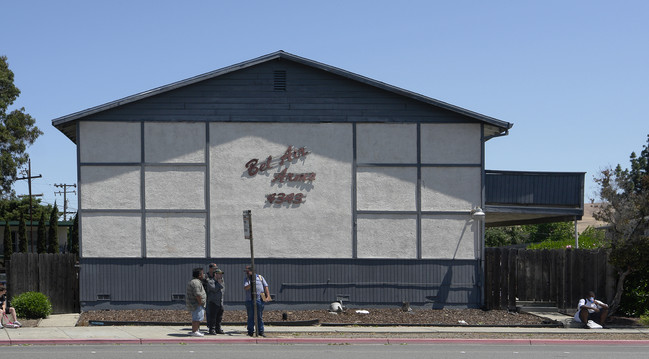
(301, 351)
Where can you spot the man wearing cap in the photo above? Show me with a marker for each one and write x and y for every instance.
(262, 295)
(214, 286)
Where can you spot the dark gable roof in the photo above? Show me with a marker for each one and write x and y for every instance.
(67, 124)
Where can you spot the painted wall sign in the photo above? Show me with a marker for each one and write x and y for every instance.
(255, 167)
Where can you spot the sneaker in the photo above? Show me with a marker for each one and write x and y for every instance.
(219, 331)
(1, 326)
(196, 334)
(17, 323)
(262, 335)
(250, 334)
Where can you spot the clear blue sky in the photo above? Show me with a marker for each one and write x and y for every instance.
(573, 76)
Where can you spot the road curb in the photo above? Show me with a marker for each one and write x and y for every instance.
(324, 341)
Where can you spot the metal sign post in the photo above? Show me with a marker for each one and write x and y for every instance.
(247, 234)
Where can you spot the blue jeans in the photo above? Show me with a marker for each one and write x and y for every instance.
(251, 316)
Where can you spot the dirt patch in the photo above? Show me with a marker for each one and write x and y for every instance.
(384, 316)
(377, 316)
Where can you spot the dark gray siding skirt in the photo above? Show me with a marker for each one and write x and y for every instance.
(149, 283)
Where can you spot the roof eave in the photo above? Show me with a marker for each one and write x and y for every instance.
(59, 122)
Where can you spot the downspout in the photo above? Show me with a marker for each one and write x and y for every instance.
(482, 224)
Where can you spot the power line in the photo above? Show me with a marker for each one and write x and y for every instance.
(65, 198)
(29, 184)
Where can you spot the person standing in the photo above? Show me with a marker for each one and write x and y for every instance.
(261, 286)
(590, 308)
(214, 286)
(195, 300)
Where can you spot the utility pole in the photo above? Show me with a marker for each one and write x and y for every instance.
(29, 185)
(65, 199)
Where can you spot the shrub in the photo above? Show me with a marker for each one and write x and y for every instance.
(32, 305)
(590, 238)
(635, 298)
(644, 319)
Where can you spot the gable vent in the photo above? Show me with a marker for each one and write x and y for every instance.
(279, 80)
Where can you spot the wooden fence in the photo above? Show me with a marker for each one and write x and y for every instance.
(558, 276)
(55, 275)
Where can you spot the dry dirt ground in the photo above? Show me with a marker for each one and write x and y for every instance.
(376, 316)
(350, 316)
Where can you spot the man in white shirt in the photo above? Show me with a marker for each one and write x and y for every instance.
(590, 308)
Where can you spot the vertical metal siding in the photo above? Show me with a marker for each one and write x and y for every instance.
(291, 281)
(538, 188)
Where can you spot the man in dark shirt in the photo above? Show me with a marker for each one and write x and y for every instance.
(214, 286)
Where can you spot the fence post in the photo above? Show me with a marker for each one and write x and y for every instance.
(489, 278)
(504, 278)
(511, 283)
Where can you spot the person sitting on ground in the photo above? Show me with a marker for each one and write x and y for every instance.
(3, 310)
(590, 308)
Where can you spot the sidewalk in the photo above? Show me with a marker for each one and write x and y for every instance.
(60, 329)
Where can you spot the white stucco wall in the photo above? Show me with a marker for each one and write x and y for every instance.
(175, 235)
(450, 188)
(386, 143)
(111, 235)
(110, 187)
(174, 142)
(319, 228)
(387, 236)
(386, 188)
(169, 187)
(448, 237)
(451, 143)
(110, 142)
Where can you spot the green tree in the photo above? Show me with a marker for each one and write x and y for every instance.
(505, 236)
(17, 131)
(13, 208)
(22, 235)
(531, 233)
(73, 236)
(7, 242)
(52, 234)
(41, 239)
(625, 193)
(557, 231)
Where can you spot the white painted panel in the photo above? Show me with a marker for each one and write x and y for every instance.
(386, 143)
(451, 143)
(321, 227)
(450, 188)
(387, 236)
(175, 235)
(386, 188)
(109, 142)
(110, 187)
(111, 235)
(169, 187)
(174, 142)
(448, 237)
